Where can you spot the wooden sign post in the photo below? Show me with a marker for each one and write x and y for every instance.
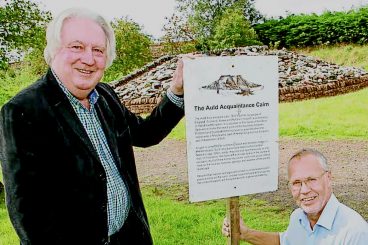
(231, 111)
(233, 216)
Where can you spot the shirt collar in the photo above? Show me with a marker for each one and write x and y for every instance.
(303, 220)
(327, 217)
(92, 97)
(329, 213)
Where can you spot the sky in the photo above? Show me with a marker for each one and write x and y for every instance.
(150, 14)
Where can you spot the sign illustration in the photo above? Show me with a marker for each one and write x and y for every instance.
(235, 83)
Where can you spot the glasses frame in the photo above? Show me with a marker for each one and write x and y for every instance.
(306, 181)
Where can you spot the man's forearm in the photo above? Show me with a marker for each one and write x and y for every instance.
(261, 238)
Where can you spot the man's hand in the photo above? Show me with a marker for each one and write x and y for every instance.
(252, 236)
(226, 227)
(243, 229)
(177, 83)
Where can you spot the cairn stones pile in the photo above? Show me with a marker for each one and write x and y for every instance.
(145, 87)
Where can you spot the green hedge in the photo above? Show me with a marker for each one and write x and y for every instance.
(309, 30)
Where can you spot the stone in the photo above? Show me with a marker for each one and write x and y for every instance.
(295, 70)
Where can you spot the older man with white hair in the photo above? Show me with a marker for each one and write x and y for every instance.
(66, 143)
(321, 218)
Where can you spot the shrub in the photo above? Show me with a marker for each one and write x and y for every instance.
(132, 49)
(309, 30)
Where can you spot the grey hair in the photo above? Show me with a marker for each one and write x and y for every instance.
(307, 151)
(53, 33)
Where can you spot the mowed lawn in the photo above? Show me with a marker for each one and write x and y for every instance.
(340, 117)
(179, 222)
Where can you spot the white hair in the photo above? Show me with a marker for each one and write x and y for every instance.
(53, 33)
(307, 151)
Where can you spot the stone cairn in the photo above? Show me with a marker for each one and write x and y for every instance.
(300, 77)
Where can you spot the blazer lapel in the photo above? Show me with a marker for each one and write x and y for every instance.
(66, 114)
(72, 121)
(108, 125)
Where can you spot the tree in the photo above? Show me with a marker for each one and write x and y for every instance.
(202, 16)
(252, 14)
(233, 30)
(132, 48)
(178, 37)
(22, 28)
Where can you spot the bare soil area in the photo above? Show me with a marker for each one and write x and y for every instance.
(166, 164)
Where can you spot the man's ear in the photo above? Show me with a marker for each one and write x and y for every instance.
(329, 175)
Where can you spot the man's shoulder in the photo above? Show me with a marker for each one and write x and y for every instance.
(348, 215)
(105, 89)
(351, 225)
(107, 92)
(32, 100)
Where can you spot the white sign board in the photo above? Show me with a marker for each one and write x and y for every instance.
(231, 110)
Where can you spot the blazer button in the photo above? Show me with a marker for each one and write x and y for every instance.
(102, 177)
(103, 207)
(104, 242)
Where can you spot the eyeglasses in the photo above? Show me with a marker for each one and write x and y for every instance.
(311, 182)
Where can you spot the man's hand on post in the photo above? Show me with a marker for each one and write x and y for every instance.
(243, 229)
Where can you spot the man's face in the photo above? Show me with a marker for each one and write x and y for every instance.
(315, 190)
(81, 60)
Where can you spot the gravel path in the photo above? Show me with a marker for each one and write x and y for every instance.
(166, 164)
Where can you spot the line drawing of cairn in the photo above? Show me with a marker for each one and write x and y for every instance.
(237, 83)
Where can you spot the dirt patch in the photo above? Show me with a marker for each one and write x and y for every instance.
(166, 165)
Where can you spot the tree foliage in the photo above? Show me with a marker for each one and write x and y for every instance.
(309, 30)
(132, 48)
(233, 30)
(197, 20)
(22, 28)
(178, 38)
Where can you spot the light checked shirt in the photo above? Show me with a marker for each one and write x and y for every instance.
(178, 101)
(117, 194)
(337, 225)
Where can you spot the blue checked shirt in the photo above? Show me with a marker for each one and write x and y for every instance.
(117, 194)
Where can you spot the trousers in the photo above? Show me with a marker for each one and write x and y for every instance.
(132, 232)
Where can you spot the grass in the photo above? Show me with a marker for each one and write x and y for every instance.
(14, 81)
(178, 222)
(345, 55)
(178, 132)
(7, 233)
(339, 117)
